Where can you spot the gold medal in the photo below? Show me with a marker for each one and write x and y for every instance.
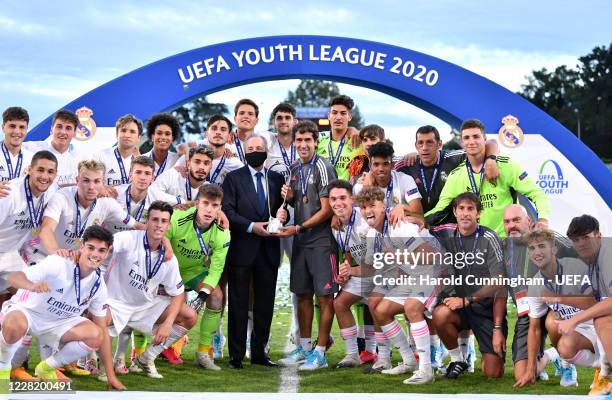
(78, 242)
(305, 200)
(556, 316)
(35, 232)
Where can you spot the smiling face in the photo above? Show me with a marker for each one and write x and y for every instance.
(62, 133)
(368, 141)
(374, 213)
(246, 118)
(218, 133)
(341, 203)
(541, 252)
(284, 122)
(473, 141)
(467, 215)
(158, 223)
(305, 145)
(14, 132)
(92, 254)
(427, 146)
(42, 174)
(162, 137)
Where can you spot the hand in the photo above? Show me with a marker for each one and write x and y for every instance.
(183, 149)
(182, 169)
(454, 303)
(287, 192)
(114, 384)
(414, 220)
(135, 152)
(565, 327)
(259, 229)
(335, 223)
(367, 179)
(199, 301)
(345, 269)
(162, 333)
(353, 134)
(40, 287)
(282, 215)
(410, 159)
(396, 216)
(184, 206)
(491, 171)
(228, 153)
(528, 378)
(541, 224)
(222, 220)
(342, 280)
(107, 191)
(68, 254)
(287, 231)
(499, 342)
(5, 189)
(168, 247)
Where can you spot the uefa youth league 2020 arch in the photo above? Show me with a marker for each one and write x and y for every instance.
(574, 177)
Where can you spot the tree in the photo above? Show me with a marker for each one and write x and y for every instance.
(316, 93)
(580, 99)
(192, 116)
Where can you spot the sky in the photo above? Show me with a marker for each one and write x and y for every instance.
(53, 52)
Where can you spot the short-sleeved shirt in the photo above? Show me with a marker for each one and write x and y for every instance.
(137, 210)
(174, 183)
(67, 162)
(127, 278)
(340, 161)
(220, 168)
(449, 161)
(487, 262)
(60, 302)
(115, 164)
(17, 167)
(15, 222)
(62, 208)
(318, 174)
(280, 159)
(192, 259)
(357, 239)
(401, 189)
(166, 165)
(601, 272)
(405, 236)
(234, 140)
(568, 267)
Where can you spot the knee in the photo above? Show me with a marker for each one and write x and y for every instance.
(602, 324)
(340, 304)
(413, 312)
(94, 341)
(566, 349)
(215, 299)
(492, 366)
(439, 316)
(326, 301)
(13, 329)
(187, 317)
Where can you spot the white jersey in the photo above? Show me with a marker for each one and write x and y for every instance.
(67, 162)
(15, 222)
(357, 241)
(62, 208)
(127, 278)
(538, 306)
(60, 303)
(173, 183)
(601, 276)
(18, 164)
(401, 190)
(167, 165)
(220, 168)
(137, 210)
(117, 172)
(233, 147)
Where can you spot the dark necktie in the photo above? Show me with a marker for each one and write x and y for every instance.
(261, 195)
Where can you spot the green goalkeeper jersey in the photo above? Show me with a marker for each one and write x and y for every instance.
(339, 157)
(494, 198)
(202, 257)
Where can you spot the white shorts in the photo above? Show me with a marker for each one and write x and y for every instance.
(9, 262)
(142, 319)
(359, 286)
(588, 331)
(48, 332)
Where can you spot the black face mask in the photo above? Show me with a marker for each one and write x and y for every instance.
(256, 158)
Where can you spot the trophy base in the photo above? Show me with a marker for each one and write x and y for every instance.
(274, 225)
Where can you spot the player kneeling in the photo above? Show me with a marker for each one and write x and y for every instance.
(136, 271)
(52, 296)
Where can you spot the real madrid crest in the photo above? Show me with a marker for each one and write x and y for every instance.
(87, 126)
(510, 135)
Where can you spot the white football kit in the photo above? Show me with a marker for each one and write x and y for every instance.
(117, 167)
(401, 190)
(12, 167)
(173, 183)
(166, 165)
(67, 162)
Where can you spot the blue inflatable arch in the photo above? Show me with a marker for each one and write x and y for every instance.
(443, 89)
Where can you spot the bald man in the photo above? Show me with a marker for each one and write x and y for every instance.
(517, 224)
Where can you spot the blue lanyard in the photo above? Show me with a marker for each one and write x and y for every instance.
(378, 240)
(429, 188)
(35, 215)
(78, 228)
(557, 289)
(474, 246)
(286, 158)
(152, 271)
(512, 263)
(475, 189)
(239, 148)
(304, 180)
(162, 166)
(77, 285)
(344, 244)
(594, 273)
(128, 204)
(389, 193)
(124, 176)
(205, 250)
(188, 187)
(334, 159)
(213, 178)
(7, 156)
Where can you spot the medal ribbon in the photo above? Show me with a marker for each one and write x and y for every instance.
(35, 215)
(513, 271)
(151, 272)
(475, 189)
(9, 164)
(389, 192)
(205, 250)
(124, 176)
(77, 285)
(213, 178)
(78, 228)
(304, 180)
(334, 159)
(161, 167)
(286, 158)
(474, 246)
(344, 244)
(429, 188)
(557, 289)
(128, 204)
(378, 240)
(239, 148)
(594, 273)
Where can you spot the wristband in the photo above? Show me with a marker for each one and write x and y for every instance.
(497, 327)
(492, 157)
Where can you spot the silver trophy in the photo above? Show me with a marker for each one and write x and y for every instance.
(274, 224)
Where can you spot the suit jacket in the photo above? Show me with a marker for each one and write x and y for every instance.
(241, 206)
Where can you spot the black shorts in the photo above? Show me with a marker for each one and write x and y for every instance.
(519, 342)
(314, 270)
(478, 317)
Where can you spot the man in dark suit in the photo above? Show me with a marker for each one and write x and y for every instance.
(251, 195)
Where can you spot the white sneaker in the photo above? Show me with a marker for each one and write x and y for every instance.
(314, 361)
(380, 365)
(148, 366)
(421, 377)
(349, 361)
(401, 368)
(102, 375)
(203, 360)
(297, 356)
(134, 367)
(119, 365)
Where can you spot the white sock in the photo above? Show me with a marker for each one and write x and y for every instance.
(220, 323)
(321, 349)
(420, 333)
(396, 335)
(70, 352)
(349, 335)
(44, 351)
(306, 344)
(585, 358)
(7, 351)
(384, 351)
(551, 353)
(153, 351)
(370, 338)
(435, 340)
(463, 345)
(21, 355)
(456, 354)
(565, 363)
(249, 325)
(296, 322)
(361, 332)
(122, 342)
(471, 340)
